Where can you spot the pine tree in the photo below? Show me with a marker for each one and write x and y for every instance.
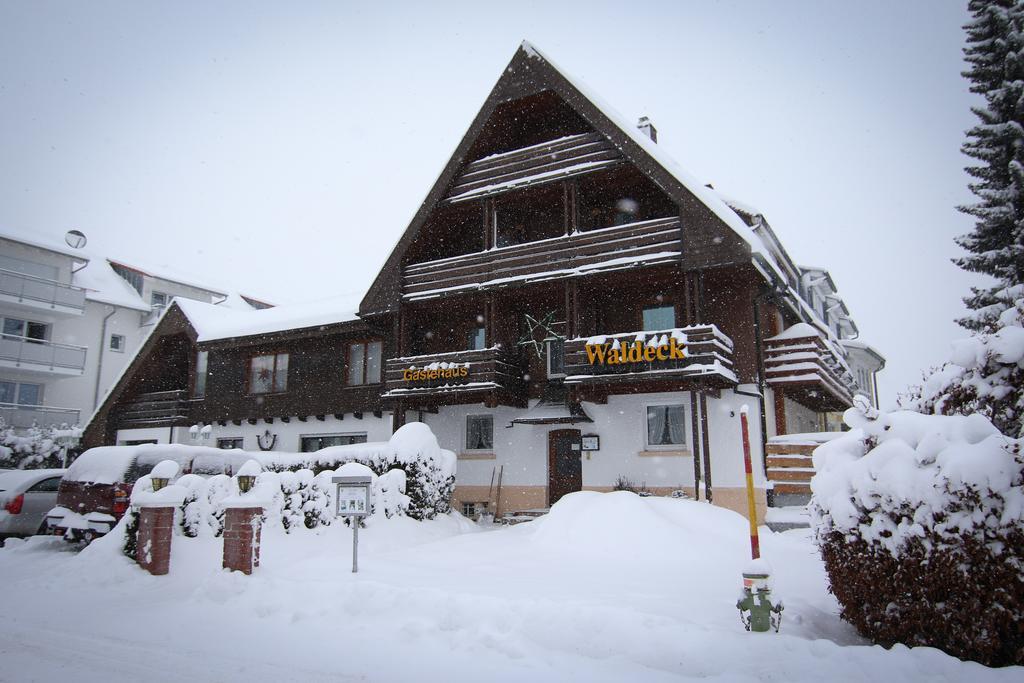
(995, 53)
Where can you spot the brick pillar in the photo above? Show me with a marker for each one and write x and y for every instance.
(153, 549)
(242, 539)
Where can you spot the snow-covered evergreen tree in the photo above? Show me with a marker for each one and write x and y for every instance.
(995, 54)
(986, 373)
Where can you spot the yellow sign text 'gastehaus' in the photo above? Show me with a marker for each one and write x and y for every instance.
(423, 375)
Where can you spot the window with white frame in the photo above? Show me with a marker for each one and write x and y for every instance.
(26, 329)
(477, 339)
(555, 357)
(117, 342)
(364, 362)
(268, 374)
(21, 393)
(308, 444)
(230, 442)
(666, 425)
(479, 432)
(159, 299)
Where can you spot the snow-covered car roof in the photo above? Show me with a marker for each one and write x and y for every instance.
(11, 480)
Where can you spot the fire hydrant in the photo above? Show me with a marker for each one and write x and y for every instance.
(757, 613)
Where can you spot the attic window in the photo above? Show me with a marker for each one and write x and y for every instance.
(132, 277)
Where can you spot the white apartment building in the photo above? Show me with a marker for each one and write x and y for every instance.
(70, 321)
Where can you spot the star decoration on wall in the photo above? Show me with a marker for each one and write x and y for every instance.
(545, 326)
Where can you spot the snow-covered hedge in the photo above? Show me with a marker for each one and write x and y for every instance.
(413, 449)
(36, 449)
(920, 521)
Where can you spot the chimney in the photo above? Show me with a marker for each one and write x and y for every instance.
(647, 128)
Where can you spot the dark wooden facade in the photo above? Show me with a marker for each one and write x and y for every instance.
(548, 212)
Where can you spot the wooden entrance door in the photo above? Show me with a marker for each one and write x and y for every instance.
(565, 470)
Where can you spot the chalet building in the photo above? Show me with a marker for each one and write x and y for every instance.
(567, 310)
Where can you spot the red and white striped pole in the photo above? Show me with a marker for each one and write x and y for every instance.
(755, 546)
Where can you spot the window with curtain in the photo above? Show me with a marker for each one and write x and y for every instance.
(268, 374)
(364, 362)
(666, 425)
(659, 318)
(477, 339)
(479, 432)
(199, 388)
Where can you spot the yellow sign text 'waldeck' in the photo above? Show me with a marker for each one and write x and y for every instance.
(637, 352)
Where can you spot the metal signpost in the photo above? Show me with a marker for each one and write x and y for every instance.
(353, 500)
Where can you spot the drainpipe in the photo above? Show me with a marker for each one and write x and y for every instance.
(99, 365)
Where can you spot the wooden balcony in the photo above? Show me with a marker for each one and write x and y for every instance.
(479, 375)
(808, 369)
(156, 409)
(701, 355)
(547, 162)
(634, 245)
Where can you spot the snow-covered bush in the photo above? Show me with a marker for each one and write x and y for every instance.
(985, 374)
(37, 449)
(920, 521)
(429, 470)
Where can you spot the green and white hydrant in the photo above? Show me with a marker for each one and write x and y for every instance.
(757, 612)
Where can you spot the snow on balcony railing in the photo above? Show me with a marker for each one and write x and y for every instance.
(808, 367)
(492, 368)
(39, 354)
(24, 417)
(53, 294)
(696, 351)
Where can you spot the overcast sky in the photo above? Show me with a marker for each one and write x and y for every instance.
(281, 148)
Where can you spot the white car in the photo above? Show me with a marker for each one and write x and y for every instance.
(25, 498)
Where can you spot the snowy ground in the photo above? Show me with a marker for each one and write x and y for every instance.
(608, 587)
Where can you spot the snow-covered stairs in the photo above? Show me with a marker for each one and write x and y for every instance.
(790, 469)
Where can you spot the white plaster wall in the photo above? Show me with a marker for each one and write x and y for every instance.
(160, 434)
(289, 434)
(622, 426)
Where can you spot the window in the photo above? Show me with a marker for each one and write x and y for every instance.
(479, 432)
(158, 299)
(555, 357)
(364, 362)
(25, 329)
(45, 486)
(117, 342)
(477, 339)
(666, 425)
(659, 318)
(21, 393)
(199, 387)
(232, 442)
(473, 509)
(268, 374)
(309, 444)
(132, 277)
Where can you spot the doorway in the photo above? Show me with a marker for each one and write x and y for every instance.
(565, 469)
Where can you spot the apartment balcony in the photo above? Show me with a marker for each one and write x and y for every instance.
(25, 417)
(634, 245)
(457, 376)
(808, 369)
(39, 294)
(41, 357)
(698, 356)
(156, 409)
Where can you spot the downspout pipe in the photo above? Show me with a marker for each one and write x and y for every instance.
(99, 364)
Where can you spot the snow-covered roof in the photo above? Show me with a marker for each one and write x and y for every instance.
(213, 322)
(41, 242)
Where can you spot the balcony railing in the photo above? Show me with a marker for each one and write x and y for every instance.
(699, 352)
(808, 369)
(41, 356)
(156, 409)
(24, 417)
(458, 372)
(41, 293)
(634, 245)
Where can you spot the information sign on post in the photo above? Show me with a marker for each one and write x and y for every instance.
(353, 500)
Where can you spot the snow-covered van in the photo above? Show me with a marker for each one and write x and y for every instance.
(96, 490)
